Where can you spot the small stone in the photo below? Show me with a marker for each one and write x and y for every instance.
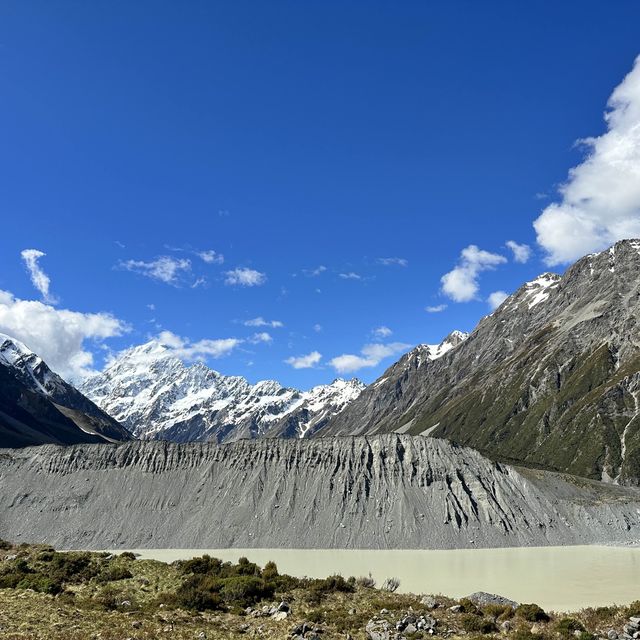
(505, 627)
(612, 634)
(636, 634)
(352, 612)
(410, 628)
(457, 608)
(635, 620)
(202, 636)
(384, 612)
(429, 602)
(280, 615)
(284, 606)
(136, 624)
(576, 633)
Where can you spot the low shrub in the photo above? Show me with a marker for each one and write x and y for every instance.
(532, 613)
(367, 582)
(525, 634)
(390, 584)
(499, 611)
(4, 545)
(113, 573)
(567, 626)
(469, 607)
(472, 623)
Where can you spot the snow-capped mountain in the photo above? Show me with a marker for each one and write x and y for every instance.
(37, 406)
(550, 378)
(157, 396)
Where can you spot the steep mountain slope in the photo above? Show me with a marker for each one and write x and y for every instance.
(551, 378)
(37, 406)
(389, 491)
(156, 396)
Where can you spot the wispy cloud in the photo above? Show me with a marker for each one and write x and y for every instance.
(244, 277)
(189, 350)
(600, 202)
(317, 327)
(350, 275)
(312, 273)
(165, 269)
(370, 356)
(261, 322)
(438, 308)
(39, 278)
(305, 362)
(521, 252)
(496, 298)
(382, 332)
(389, 262)
(262, 336)
(461, 283)
(210, 256)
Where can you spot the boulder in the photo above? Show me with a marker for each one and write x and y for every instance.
(482, 599)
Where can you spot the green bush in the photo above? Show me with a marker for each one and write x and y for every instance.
(469, 607)
(113, 573)
(128, 555)
(567, 626)
(633, 609)
(472, 623)
(245, 590)
(499, 611)
(4, 545)
(270, 571)
(525, 634)
(72, 567)
(532, 613)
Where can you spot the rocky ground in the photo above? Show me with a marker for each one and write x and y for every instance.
(80, 596)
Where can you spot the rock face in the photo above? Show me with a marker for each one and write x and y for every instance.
(157, 396)
(551, 378)
(387, 491)
(37, 406)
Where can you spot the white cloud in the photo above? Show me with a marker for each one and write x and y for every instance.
(314, 272)
(58, 336)
(461, 283)
(351, 276)
(388, 262)
(305, 362)
(317, 327)
(600, 202)
(261, 322)
(496, 298)
(185, 349)
(436, 308)
(245, 277)
(521, 252)
(370, 356)
(39, 278)
(382, 332)
(261, 336)
(210, 257)
(163, 269)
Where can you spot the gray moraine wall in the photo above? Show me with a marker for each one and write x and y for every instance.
(375, 492)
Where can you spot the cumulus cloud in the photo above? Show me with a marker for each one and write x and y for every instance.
(370, 356)
(382, 332)
(305, 362)
(58, 336)
(210, 256)
(388, 262)
(461, 283)
(600, 202)
(496, 298)
(188, 350)
(39, 278)
(245, 277)
(350, 276)
(261, 336)
(163, 269)
(521, 252)
(435, 308)
(261, 322)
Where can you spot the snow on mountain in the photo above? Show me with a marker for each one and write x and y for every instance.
(37, 406)
(157, 396)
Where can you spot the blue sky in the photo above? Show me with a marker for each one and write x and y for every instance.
(338, 156)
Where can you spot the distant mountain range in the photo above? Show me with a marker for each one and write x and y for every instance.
(157, 396)
(37, 406)
(550, 379)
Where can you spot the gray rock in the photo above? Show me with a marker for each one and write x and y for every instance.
(378, 630)
(612, 634)
(280, 615)
(482, 599)
(410, 628)
(429, 602)
(505, 626)
(456, 608)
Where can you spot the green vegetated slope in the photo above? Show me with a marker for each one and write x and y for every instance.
(550, 379)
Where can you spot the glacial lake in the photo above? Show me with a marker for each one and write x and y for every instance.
(556, 578)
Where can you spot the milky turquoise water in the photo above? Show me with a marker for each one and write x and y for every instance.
(556, 578)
